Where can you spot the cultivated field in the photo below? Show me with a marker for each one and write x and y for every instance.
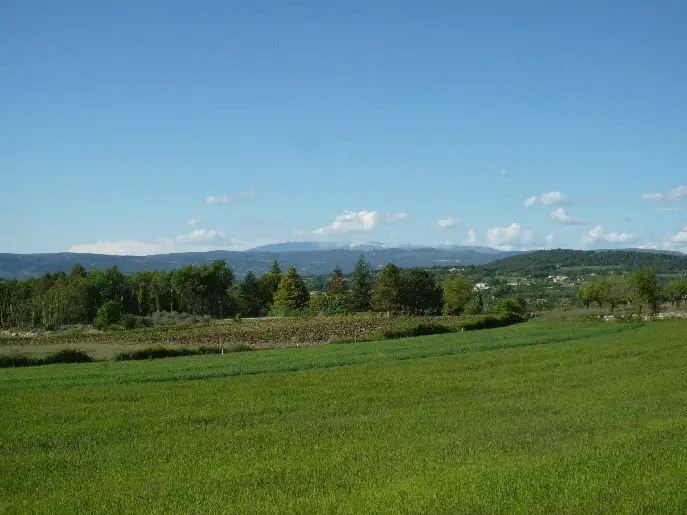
(533, 418)
(254, 333)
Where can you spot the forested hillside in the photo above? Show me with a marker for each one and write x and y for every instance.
(544, 262)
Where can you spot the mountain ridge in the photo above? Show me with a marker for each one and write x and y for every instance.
(307, 262)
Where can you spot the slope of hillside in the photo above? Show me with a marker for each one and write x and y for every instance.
(548, 261)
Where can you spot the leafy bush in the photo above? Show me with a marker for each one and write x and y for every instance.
(108, 315)
(512, 305)
(68, 356)
(329, 304)
(129, 321)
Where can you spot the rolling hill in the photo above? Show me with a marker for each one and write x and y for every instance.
(550, 261)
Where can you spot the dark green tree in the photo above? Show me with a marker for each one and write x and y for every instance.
(250, 304)
(292, 294)
(78, 271)
(268, 284)
(475, 306)
(361, 286)
(420, 294)
(221, 280)
(613, 291)
(676, 291)
(646, 288)
(589, 293)
(458, 292)
(388, 290)
(336, 283)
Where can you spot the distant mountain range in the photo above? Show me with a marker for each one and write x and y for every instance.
(297, 246)
(309, 258)
(317, 258)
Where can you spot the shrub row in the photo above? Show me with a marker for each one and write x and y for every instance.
(418, 330)
(63, 356)
(77, 356)
(158, 352)
(473, 324)
(490, 322)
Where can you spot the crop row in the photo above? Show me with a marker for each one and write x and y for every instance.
(258, 333)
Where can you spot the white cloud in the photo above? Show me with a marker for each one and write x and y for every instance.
(507, 238)
(202, 236)
(530, 201)
(680, 237)
(559, 215)
(118, 248)
(193, 222)
(212, 199)
(351, 221)
(226, 199)
(599, 235)
(393, 218)
(677, 193)
(503, 172)
(472, 238)
(447, 223)
(359, 222)
(261, 223)
(548, 199)
(198, 240)
(553, 198)
(549, 239)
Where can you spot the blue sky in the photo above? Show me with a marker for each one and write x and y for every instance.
(147, 127)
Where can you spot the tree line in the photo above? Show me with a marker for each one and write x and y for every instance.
(639, 287)
(109, 297)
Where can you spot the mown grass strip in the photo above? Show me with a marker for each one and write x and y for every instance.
(298, 359)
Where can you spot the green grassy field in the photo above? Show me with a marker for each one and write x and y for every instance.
(533, 418)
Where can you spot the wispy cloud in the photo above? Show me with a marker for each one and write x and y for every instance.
(121, 248)
(392, 218)
(673, 195)
(198, 240)
(260, 223)
(193, 222)
(548, 199)
(226, 199)
(560, 216)
(212, 199)
(447, 223)
(203, 236)
(599, 235)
